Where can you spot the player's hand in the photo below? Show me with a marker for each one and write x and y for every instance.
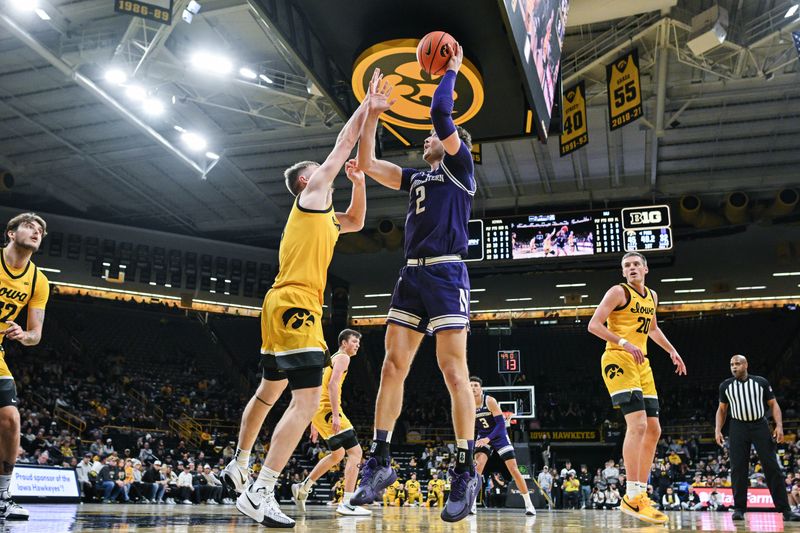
(638, 355)
(719, 438)
(481, 442)
(778, 434)
(380, 94)
(679, 364)
(314, 435)
(456, 56)
(353, 173)
(14, 331)
(336, 424)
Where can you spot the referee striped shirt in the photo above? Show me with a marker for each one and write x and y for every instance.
(747, 399)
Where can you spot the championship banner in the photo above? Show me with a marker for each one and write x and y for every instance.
(575, 133)
(158, 10)
(477, 154)
(565, 435)
(624, 90)
(756, 498)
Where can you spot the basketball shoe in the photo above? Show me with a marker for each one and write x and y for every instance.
(235, 477)
(374, 478)
(260, 505)
(641, 507)
(11, 510)
(464, 488)
(347, 509)
(300, 494)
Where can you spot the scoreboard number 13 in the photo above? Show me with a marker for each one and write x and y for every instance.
(508, 362)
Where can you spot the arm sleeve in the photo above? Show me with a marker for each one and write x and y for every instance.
(41, 292)
(461, 168)
(442, 106)
(405, 178)
(499, 428)
(722, 397)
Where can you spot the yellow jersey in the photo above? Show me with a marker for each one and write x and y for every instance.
(632, 321)
(436, 485)
(306, 249)
(19, 288)
(325, 397)
(412, 486)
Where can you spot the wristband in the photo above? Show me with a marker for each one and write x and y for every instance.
(622, 342)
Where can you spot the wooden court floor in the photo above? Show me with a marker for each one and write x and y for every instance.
(46, 518)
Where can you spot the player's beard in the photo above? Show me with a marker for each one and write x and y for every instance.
(27, 246)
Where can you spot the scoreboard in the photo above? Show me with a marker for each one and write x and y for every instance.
(576, 235)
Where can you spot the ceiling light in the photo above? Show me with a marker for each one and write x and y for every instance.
(153, 106)
(474, 301)
(753, 288)
(24, 5)
(379, 295)
(212, 155)
(168, 285)
(179, 129)
(193, 141)
(679, 291)
(134, 92)
(247, 73)
(782, 274)
(477, 290)
(214, 63)
(116, 76)
(55, 270)
(152, 283)
(563, 285)
(584, 295)
(792, 10)
(518, 299)
(266, 78)
(42, 14)
(365, 306)
(675, 280)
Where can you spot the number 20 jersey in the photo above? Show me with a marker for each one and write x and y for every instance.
(439, 206)
(632, 321)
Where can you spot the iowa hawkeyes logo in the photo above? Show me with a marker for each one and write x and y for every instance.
(297, 318)
(613, 371)
(414, 88)
(336, 223)
(621, 64)
(571, 96)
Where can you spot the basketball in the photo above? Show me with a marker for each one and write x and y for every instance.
(564, 228)
(432, 54)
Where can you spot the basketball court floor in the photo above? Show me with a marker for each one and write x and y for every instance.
(220, 519)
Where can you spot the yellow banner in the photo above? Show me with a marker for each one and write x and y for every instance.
(624, 90)
(573, 122)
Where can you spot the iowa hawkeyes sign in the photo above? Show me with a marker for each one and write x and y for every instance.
(296, 318)
(613, 371)
(413, 87)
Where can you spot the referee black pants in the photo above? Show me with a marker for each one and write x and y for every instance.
(742, 435)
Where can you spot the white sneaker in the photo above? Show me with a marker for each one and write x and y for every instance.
(211, 502)
(352, 510)
(300, 495)
(188, 502)
(261, 506)
(235, 477)
(530, 511)
(474, 508)
(12, 511)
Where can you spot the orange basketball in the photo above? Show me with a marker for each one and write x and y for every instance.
(432, 54)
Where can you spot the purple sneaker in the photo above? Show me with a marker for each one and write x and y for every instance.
(464, 488)
(374, 478)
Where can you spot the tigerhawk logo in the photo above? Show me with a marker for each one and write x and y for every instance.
(297, 318)
(413, 87)
(571, 96)
(621, 64)
(613, 371)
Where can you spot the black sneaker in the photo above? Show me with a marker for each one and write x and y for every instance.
(374, 478)
(789, 516)
(738, 515)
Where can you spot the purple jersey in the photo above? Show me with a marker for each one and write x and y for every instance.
(484, 420)
(439, 206)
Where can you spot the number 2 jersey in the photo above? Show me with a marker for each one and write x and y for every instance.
(632, 320)
(19, 288)
(439, 206)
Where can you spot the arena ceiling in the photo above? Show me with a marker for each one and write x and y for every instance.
(77, 144)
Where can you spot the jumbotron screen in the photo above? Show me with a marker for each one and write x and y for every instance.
(577, 235)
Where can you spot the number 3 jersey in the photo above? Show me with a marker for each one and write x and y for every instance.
(19, 288)
(484, 420)
(439, 206)
(632, 320)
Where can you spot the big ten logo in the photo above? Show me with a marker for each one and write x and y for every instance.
(646, 217)
(413, 88)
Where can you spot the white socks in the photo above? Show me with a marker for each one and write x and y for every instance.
(308, 483)
(346, 498)
(526, 496)
(5, 481)
(266, 478)
(242, 457)
(635, 488)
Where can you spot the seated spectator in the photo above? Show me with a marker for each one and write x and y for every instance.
(715, 502)
(82, 471)
(612, 496)
(571, 488)
(185, 484)
(693, 503)
(598, 498)
(153, 483)
(670, 501)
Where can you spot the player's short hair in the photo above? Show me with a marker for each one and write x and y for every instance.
(346, 334)
(476, 379)
(292, 175)
(20, 219)
(635, 254)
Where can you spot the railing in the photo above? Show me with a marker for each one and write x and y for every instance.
(768, 23)
(132, 429)
(210, 424)
(187, 429)
(140, 398)
(72, 421)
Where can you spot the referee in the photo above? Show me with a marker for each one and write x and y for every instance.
(746, 395)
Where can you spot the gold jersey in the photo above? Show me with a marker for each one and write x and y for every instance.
(306, 249)
(632, 321)
(18, 289)
(325, 397)
(412, 486)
